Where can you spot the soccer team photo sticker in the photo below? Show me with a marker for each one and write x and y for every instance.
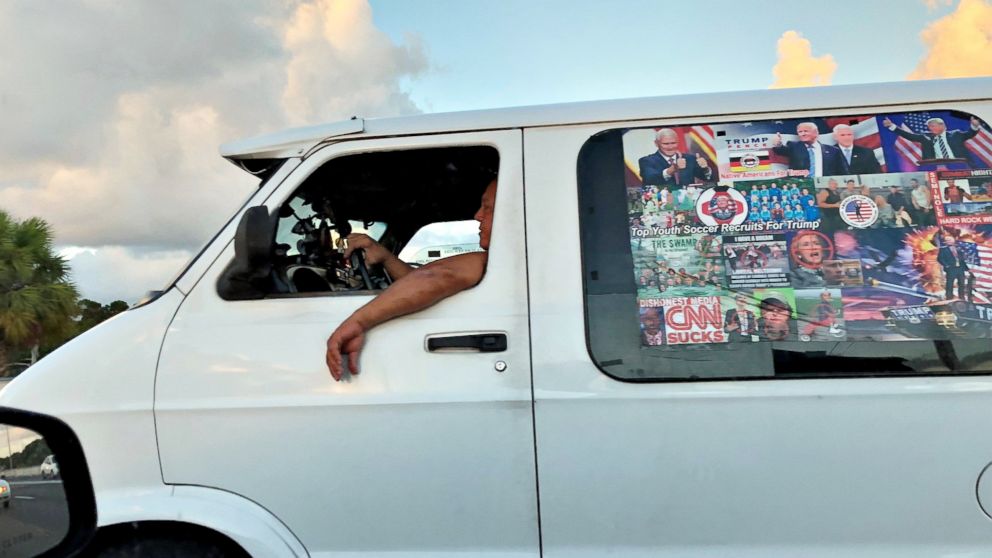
(721, 205)
(859, 211)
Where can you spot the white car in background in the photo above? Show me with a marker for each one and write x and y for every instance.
(50, 468)
(4, 492)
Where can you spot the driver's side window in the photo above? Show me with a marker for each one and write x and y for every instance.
(418, 204)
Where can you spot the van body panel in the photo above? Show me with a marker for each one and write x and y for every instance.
(860, 467)
(254, 529)
(423, 453)
(102, 384)
(691, 106)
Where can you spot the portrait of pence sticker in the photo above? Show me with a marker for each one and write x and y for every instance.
(721, 206)
(859, 211)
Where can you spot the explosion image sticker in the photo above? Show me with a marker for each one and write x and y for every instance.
(694, 319)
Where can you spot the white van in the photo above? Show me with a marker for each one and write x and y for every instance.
(746, 324)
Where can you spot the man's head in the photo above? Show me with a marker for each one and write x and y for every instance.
(952, 184)
(776, 313)
(936, 126)
(485, 215)
(893, 188)
(651, 321)
(741, 301)
(844, 135)
(914, 183)
(825, 296)
(807, 132)
(849, 184)
(832, 184)
(833, 271)
(667, 141)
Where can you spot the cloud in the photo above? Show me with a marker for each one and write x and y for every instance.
(112, 123)
(934, 4)
(958, 44)
(797, 67)
(334, 47)
(122, 273)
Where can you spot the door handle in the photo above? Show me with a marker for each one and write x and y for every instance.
(482, 342)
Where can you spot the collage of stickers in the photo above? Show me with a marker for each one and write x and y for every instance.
(861, 228)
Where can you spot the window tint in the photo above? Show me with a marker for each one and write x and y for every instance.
(832, 246)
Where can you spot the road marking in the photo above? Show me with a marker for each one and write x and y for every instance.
(24, 497)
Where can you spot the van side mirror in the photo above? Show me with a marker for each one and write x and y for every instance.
(248, 276)
(47, 504)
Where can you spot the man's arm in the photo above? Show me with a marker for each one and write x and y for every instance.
(418, 289)
(821, 200)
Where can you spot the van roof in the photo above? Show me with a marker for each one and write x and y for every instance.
(297, 141)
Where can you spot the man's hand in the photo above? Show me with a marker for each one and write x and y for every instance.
(886, 122)
(348, 338)
(701, 161)
(777, 142)
(374, 252)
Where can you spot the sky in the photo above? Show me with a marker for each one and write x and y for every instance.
(113, 111)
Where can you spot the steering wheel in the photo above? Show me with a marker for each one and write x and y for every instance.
(358, 263)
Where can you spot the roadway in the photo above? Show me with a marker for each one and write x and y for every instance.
(37, 518)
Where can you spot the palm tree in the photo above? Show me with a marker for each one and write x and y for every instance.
(37, 300)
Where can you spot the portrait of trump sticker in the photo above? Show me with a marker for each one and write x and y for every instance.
(721, 205)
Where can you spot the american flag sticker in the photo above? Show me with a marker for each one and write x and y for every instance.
(979, 260)
(859, 211)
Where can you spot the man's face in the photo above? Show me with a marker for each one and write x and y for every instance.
(485, 215)
(950, 240)
(850, 185)
(722, 203)
(833, 271)
(936, 128)
(651, 322)
(844, 137)
(913, 183)
(668, 144)
(832, 184)
(775, 318)
(809, 251)
(741, 303)
(807, 132)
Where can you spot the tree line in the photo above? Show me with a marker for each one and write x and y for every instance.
(40, 308)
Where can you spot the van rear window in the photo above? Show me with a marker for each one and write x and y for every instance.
(855, 245)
